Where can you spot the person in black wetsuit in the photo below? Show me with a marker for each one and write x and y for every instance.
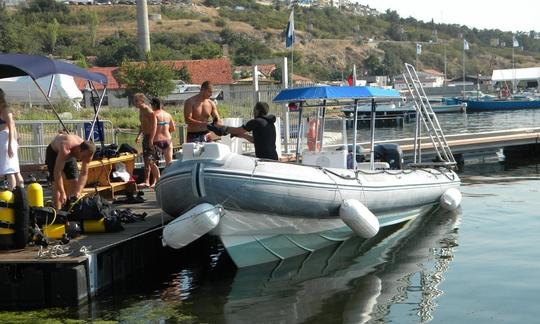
(262, 129)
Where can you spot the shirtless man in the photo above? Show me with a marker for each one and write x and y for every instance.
(61, 156)
(165, 125)
(148, 130)
(197, 110)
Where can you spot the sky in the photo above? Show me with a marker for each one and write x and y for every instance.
(514, 15)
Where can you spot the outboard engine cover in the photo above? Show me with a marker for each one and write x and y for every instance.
(390, 153)
(360, 154)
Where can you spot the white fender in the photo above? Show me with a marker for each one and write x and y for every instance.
(191, 225)
(451, 199)
(359, 218)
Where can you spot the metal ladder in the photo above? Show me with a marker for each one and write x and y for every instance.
(425, 113)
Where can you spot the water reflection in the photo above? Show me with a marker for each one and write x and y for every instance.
(356, 281)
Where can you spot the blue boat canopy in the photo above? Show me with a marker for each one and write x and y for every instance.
(334, 93)
(35, 66)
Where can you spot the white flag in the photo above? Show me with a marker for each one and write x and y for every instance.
(465, 45)
(289, 33)
(418, 49)
(515, 42)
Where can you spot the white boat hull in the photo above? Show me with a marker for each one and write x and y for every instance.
(277, 210)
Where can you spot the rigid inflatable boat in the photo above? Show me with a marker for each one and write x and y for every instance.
(265, 211)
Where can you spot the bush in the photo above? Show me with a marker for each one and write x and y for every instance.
(175, 13)
(220, 22)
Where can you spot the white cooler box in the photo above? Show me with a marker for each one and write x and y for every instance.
(327, 159)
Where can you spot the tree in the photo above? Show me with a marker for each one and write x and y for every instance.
(52, 30)
(94, 22)
(114, 50)
(392, 64)
(46, 6)
(373, 65)
(277, 74)
(152, 78)
(183, 74)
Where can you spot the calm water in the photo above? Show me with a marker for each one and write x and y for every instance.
(478, 265)
(459, 123)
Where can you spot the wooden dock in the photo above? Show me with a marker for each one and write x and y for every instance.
(28, 280)
(510, 142)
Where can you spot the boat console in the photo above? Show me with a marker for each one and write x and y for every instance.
(205, 151)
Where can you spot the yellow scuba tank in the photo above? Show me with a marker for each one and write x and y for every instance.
(7, 219)
(93, 226)
(54, 231)
(34, 192)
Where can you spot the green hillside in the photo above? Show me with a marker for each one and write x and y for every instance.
(328, 41)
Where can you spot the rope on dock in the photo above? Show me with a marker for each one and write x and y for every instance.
(60, 250)
(53, 251)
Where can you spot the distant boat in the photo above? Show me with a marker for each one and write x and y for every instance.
(407, 110)
(183, 91)
(486, 104)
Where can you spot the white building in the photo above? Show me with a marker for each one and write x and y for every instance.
(428, 78)
(531, 76)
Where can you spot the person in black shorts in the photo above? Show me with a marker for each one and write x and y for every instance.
(148, 130)
(149, 151)
(197, 110)
(263, 130)
(61, 156)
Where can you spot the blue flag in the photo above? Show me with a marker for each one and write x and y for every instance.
(418, 49)
(289, 33)
(465, 45)
(515, 42)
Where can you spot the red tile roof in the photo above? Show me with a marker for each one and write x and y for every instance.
(433, 72)
(110, 72)
(218, 71)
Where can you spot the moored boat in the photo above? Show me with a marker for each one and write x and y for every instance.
(410, 110)
(276, 210)
(501, 104)
(265, 211)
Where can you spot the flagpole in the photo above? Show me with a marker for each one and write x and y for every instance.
(444, 64)
(292, 65)
(513, 69)
(289, 42)
(418, 52)
(463, 71)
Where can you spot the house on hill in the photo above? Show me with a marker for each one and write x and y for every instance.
(217, 71)
(244, 75)
(428, 78)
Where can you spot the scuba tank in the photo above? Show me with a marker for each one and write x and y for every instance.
(54, 230)
(93, 226)
(7, 219)
(14, 219)
(22, 218)
(34, 192)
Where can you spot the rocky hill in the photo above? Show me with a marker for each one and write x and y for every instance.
(328, 41)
